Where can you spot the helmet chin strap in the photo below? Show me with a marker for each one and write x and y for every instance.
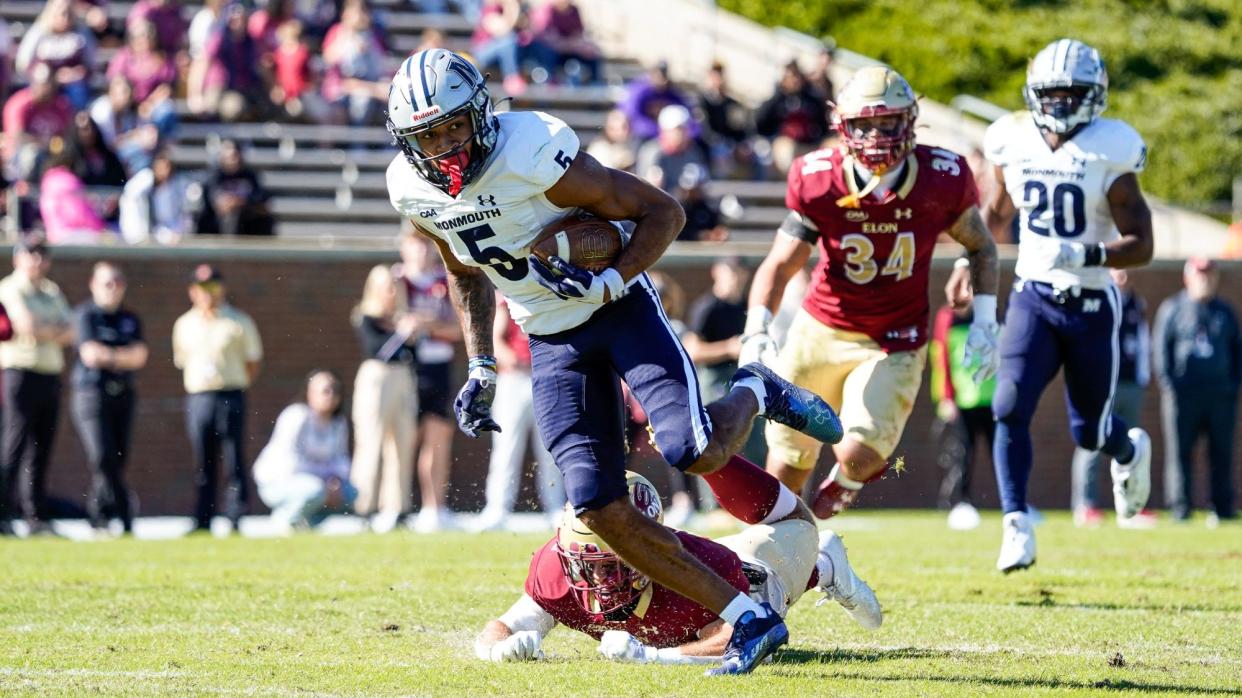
(453, 166)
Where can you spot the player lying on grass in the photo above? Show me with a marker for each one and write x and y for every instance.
(577, 581)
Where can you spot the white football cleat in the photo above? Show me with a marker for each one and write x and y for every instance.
(963, 517)
(1018, 544)
(1132, 482)
(845, 587)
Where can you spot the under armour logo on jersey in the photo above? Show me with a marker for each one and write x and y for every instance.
(487, 200)
(900, 213)
(1091, 305)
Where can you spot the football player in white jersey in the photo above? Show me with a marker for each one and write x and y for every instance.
(482, 186)
(1073, 179)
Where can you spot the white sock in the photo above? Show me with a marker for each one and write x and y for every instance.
(739, 606)
(823, 565)
(754, 385)
(786, 502)
(839, 476)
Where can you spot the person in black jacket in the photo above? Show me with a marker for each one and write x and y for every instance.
(1198, 359)
(795, 118)
(236, 199)
(110, 348)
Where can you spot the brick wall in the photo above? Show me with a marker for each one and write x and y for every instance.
(301, 302)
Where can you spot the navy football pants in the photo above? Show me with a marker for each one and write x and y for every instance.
(1046, 329)
(575, 377)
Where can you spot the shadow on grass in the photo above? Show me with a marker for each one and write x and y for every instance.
(855, 656)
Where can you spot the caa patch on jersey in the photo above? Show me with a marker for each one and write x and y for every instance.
(1062, 194)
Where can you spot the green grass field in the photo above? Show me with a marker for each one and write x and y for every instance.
(1103, 611)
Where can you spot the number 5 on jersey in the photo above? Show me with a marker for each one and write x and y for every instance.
(861, 268)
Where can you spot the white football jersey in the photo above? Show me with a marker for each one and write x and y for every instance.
(491, 223)
(1062, 195)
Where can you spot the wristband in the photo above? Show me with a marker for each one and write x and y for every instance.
(482, 367)
(613, 282)
(758, 317)
(961, 263)
(1095, 255)
(985, 308)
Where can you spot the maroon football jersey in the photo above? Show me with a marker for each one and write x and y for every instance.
(662, 618)
(875, 254)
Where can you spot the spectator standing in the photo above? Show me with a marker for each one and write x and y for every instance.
(1198, 359)
(662, 161)
(613, 147)
(155, 204)
(355, 67)
(515, 415)
(1133, 375)
(65, 46)
(303, 471)
(294, 87)
(558, 29)
(963, 414)
(110, 348)
(33, 359)
(218, 349)
(646, 97)
(795, 118)
(385, 401)
(427, 297)
(236, 199)
(820, 77)
(33, 116)
(201, 27)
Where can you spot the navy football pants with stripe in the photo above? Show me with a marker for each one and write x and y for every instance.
(575, 376)
(1046, 329)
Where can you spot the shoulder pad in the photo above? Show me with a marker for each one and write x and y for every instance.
(540, 147)
(1118, 144)
(407, 191)
(1001, 136)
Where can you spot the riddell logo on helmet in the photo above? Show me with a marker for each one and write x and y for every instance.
(420, 115)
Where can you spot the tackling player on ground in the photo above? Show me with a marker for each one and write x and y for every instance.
(1073, 177)
(483, 185)
(874, 207)
(577, 581)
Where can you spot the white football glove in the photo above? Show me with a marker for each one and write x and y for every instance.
(981, 348)
(519, 647)
(620, 646)
(757, 344)
(1054, 254)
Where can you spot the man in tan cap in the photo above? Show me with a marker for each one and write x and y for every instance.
(218, 350)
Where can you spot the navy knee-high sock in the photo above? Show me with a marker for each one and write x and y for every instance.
(1118, 443)
(1012, 455)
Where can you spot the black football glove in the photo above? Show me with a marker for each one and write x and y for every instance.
(473, 405)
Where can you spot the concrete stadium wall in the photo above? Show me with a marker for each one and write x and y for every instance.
(301, 300)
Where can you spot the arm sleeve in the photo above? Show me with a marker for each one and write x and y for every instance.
(527, 614)
(552, 146)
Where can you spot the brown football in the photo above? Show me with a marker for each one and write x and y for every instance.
(580, 238)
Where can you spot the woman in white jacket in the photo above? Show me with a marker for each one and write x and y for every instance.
(303, 472)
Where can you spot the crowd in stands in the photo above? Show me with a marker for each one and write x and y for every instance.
(326, 62)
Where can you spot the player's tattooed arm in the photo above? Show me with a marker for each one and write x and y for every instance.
(473, 298)
(998, 209)
(617, 195)
(1133, 220)
(971, 233)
